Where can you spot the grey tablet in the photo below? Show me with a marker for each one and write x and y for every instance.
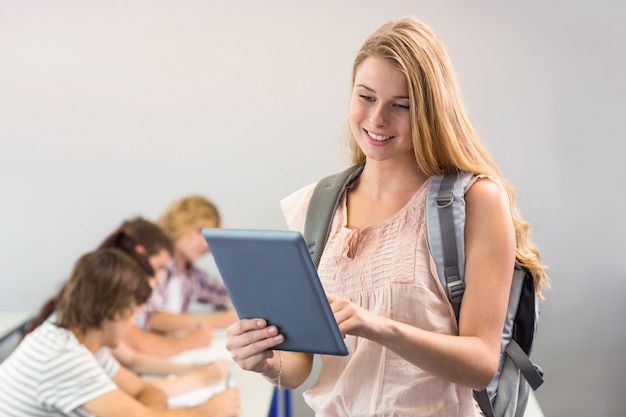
(269, 274)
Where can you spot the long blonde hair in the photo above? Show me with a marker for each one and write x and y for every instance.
(443, 138)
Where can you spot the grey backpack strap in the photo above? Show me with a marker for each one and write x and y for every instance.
(527, 368)
(512, 393)
(322, 208)
(482, 398)
(445, 220)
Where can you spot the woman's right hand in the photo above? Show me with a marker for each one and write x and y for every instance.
(250, 342)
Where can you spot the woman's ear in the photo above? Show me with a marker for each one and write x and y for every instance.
(140, 249)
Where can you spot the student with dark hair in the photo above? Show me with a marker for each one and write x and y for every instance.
(141, 235)
(140, 239)
(148, 239)
(62, 367)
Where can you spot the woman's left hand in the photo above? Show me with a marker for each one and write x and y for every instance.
(354, 320)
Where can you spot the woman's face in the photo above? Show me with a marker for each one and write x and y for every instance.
(158, 261)
(380, 118)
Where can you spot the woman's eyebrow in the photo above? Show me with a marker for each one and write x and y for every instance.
(366, 87)
(373, 91)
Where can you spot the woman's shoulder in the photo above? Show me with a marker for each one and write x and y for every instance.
(295, 205)
(487, 190)
(488, 208)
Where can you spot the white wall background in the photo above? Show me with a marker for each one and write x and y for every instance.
(114, 108)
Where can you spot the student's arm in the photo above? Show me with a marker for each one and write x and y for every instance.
(144, 392)
(163, 321)
(136, 397)
(220, 319)
(117, 403)
(187, 376)
(165, 346)
(145, 363)
(171, 322)
(200, 376)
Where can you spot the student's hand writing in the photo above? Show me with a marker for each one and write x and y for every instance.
(355, 320)
(211, 373)
(224, 404)
(250, 342)
(201, 337)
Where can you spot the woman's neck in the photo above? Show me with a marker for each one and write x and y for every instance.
(382, 179)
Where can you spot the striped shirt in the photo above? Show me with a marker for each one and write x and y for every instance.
(51, 374)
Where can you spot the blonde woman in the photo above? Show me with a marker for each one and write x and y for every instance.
(407, 355)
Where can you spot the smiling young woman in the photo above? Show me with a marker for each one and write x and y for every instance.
(407, 355)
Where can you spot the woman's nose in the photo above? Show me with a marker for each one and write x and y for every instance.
(378, 116)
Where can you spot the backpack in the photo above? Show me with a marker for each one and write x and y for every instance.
(507, 394)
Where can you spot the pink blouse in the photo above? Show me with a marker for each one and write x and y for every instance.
(385, 268)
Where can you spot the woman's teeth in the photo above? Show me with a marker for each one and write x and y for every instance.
(376, 137)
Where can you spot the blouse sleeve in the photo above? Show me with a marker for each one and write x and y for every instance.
(294, 207)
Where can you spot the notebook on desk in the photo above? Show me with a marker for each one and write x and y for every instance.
(269, 274)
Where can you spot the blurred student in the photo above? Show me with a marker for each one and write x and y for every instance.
(62, 368)
(145, 242)
(146, 238)
(149, 239)
(183, 283)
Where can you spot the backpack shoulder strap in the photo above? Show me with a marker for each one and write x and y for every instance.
(445, 228)
(322, 208)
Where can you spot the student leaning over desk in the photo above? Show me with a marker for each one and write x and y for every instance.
(145, 242)
(147, 238)
(138, 236)
(62, 368)
(183, 283)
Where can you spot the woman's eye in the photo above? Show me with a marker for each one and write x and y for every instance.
(402, 106)
(366, 97)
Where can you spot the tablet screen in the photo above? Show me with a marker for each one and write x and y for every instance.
(269, 274)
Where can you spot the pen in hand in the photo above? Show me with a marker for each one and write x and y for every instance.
(229, 379)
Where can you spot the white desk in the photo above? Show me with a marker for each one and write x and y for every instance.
(12, 321)
(255, 391)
